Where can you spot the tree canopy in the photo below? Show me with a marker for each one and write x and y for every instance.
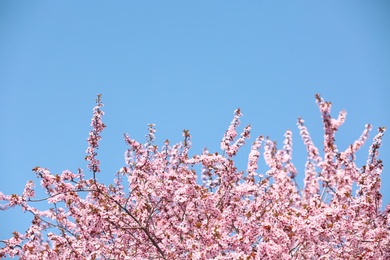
(161, 207)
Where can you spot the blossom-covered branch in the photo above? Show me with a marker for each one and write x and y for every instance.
(94, 136)
(164, 204)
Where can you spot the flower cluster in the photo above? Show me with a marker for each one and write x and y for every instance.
(94, 136)
(160, 207)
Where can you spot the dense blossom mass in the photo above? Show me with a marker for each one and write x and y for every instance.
(160, 207)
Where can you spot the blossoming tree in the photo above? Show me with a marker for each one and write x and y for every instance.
(160, 207)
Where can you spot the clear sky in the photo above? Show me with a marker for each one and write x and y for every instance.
(183, 65)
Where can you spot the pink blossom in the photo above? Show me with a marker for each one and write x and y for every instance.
(165, 204)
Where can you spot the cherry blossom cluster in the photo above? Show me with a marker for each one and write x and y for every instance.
(94, 136)
(165, 204)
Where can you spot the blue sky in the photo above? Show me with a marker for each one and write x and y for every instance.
(182, 65)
